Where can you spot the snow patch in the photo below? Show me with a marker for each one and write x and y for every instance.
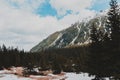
(61, 40)
(65, 76)
(100, 23)
(74, 76)
(12, 77)
(54, 42)
(85, 34)
(77, 34)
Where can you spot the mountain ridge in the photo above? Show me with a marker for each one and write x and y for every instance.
(76, 34)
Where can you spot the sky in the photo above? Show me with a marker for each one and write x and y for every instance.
(24, 23)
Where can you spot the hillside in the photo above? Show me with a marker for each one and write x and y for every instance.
(76, 34)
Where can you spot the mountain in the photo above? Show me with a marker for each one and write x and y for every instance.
(76, 34)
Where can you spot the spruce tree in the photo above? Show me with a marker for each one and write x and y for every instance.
(113, 23)
(94, 62)
(113, 45)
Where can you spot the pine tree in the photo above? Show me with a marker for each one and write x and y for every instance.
(113, 45)
(4, 48)
(94, 61)
(113, 23)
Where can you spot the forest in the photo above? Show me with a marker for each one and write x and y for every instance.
(101, 57)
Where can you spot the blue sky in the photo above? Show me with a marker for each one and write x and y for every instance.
(24, 23)
(46, 8)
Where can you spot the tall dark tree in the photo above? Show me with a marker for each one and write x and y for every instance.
(95, 60)
(4, 48)
(113, 23)
(113, 44)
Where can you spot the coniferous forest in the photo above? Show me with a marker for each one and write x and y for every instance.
(101, 57)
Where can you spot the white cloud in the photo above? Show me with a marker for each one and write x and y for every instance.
(21, 27)
(74, 5)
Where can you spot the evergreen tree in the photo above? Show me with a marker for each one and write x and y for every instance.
(4, 48)
(112, 45)
(56, 67)
(94, 62)
(113, 23)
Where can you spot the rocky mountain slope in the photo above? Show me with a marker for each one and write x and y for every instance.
(76, 34)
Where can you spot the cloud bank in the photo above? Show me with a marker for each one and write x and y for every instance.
(73, 5)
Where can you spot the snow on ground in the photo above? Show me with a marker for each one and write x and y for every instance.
(12, 77)
(74, 76)
(82, 76)
(5, 75)
(9, 75)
